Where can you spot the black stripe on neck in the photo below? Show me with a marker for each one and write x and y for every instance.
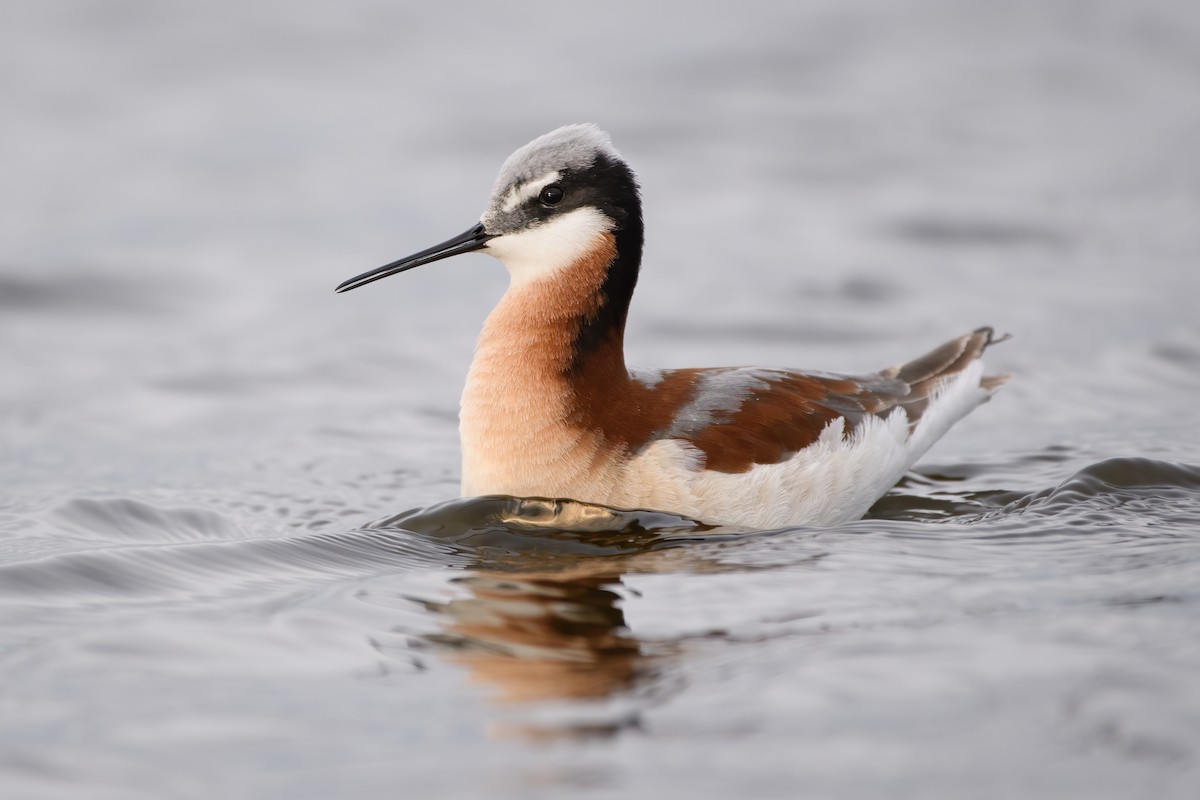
(610, 186)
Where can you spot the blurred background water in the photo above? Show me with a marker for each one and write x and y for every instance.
(196, 433)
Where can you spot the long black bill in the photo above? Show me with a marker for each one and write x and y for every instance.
(473, 239)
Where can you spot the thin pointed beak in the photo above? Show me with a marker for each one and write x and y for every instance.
(474, 239)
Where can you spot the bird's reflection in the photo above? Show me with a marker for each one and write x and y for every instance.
(541, 622)
(553, 644)
(538, 638)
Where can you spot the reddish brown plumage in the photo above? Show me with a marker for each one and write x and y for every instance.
(772, 423)
(768, 425)
(783, 413)
(550, 409)
(776, 414)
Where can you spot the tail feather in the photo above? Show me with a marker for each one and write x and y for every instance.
(925, 374)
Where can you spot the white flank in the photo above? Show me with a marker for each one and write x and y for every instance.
(834, 480)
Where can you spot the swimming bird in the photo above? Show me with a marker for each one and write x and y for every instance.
(550, 408)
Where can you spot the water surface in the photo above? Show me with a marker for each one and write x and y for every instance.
(232, 561)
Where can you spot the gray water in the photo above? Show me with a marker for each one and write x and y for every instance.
(231, 559)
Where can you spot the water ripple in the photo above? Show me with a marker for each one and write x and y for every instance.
(1141, 508)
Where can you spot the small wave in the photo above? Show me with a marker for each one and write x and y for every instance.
(1130, 491)
(129, 549)
(123, 519)
(500, 525)
(462, 516)
(138, 551)
(189, 570)
(1110, 492)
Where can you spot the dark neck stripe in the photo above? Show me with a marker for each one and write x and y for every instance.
(616, 195)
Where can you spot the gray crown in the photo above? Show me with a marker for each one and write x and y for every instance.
(572, 147)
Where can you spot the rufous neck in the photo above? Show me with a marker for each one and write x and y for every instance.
(565, 324)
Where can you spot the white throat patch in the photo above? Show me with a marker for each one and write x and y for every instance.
(539, 252)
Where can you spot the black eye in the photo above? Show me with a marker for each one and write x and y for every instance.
(551, 195)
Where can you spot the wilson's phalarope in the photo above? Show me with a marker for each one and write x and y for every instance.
(551, 410)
